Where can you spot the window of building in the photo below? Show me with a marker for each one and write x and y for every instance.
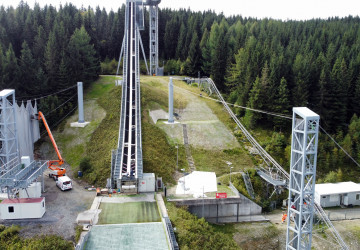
(11, 209)
(357, 197)
(324, 197)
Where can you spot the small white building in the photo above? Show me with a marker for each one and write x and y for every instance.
(22, 208)
(147, 183)
(336, 194)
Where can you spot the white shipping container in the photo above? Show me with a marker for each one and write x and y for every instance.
(23, 208)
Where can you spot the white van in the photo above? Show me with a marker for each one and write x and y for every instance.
(64, 183)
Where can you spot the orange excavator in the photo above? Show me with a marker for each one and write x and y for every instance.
(54, 165)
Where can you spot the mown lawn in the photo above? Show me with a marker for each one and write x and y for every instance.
(132, 212)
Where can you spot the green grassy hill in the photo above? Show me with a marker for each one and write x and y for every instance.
(91, 147)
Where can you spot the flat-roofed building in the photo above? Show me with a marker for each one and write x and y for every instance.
(336, 194)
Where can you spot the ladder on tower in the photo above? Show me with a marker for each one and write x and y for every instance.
(248, 184)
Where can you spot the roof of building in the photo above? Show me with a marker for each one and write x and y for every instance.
(337, 188)
(23, 200)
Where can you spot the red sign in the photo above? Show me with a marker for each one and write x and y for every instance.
(221, 195)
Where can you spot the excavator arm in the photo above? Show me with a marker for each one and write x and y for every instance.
(54, 164)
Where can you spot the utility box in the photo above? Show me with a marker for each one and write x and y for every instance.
(147, 183)
(23, 208)
(33, 191)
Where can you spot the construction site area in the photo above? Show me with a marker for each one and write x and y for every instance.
(169, 165)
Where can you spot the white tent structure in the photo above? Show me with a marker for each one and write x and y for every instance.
(197, 183)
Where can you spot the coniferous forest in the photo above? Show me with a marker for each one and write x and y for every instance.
(265, 64)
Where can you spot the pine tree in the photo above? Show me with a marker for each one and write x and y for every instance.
(28, 85)
(357, 96)
(205, 53)
(181, 45)
(1, 67)
(338, 90)
(218, 48)
(282, 104)
(11, 69)
(83, 63)
(51, 60)
(194, 55)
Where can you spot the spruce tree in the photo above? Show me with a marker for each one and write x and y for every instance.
(11, 69)
(28, 84)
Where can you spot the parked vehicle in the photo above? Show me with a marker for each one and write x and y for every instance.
(64, 183)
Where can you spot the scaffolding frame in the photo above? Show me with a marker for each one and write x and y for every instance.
(154, 37)
(304, 144)
(9, 147)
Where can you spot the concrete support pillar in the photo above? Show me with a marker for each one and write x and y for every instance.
(81, 123)
(171, 101)
(80, 102)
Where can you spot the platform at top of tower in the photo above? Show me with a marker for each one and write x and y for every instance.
(152, 2)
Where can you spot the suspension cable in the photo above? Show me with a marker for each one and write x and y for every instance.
(42, 97)
(277, 115)
(59, 121)
(60, 105)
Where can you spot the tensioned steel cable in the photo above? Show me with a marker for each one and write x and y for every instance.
(276, 115)
(42, 97)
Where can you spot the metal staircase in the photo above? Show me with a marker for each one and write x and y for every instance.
(248, 184)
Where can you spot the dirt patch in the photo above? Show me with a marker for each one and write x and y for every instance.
(322, 238)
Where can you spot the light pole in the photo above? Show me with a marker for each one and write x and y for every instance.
(177, 156)
(229, 164)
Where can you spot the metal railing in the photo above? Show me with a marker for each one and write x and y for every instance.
(170, 230)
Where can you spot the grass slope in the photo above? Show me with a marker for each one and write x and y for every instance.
(132, 212)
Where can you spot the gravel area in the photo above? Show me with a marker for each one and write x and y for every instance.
(62, 208)
(205, 130)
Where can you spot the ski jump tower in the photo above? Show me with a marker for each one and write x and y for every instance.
(304, 143)
(154, 35)
(127, 163)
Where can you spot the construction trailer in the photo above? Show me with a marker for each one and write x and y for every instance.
(337, 194)
(22, 208)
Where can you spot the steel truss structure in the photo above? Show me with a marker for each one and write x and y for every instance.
(305, 131)
(127, 164)
(154, 35)
(9, 147)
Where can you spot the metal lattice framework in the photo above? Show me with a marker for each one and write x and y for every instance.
(154, 35)
(9, 149)
(127, 159)
(305, 130)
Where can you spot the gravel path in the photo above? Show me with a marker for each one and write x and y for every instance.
(62, 208)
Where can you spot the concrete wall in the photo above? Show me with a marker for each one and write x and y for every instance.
(226, 210)
(220, 208)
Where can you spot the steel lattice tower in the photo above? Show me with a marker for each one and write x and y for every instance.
(305, 129)
(9, 149)
(154, 35)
